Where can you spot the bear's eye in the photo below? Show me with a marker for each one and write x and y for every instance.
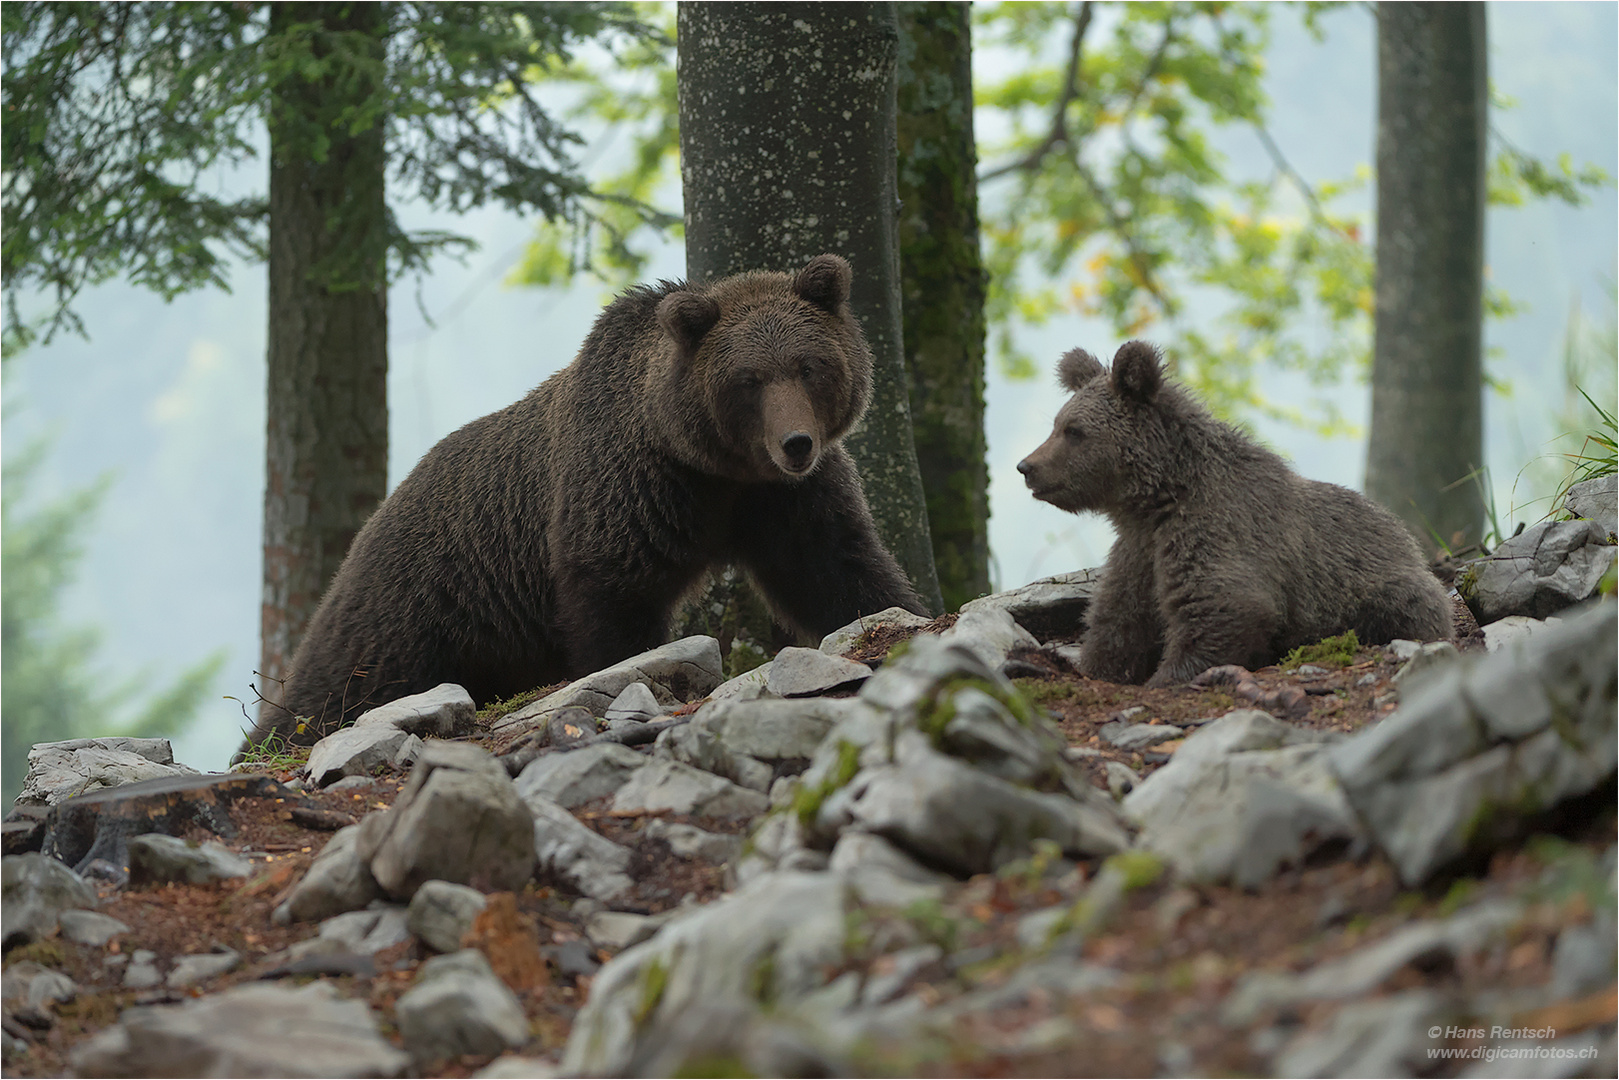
(1073, 431)
(750, 380)
(808, 368)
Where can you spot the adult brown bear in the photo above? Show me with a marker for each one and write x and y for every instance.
(697, 426)
(1224, 555)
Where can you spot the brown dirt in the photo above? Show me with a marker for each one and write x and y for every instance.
(1181, 950)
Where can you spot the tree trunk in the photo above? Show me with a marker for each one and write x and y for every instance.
(942, 279)
(1427, 426)
(787, 149)
(327, 437)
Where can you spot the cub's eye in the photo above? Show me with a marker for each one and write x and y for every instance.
(1073, 431)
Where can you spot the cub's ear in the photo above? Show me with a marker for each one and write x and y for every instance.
(824, 281)
(1076, 368)
(686, 317)
(1137, 372)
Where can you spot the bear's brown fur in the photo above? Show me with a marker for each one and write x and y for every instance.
(553, 538)
(1224, 555)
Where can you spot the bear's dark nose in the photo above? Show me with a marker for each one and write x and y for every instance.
(1024, 467)
(798, 447)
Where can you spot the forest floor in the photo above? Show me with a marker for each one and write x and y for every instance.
(1181, 949)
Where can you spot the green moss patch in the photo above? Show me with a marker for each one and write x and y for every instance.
(1332, 652)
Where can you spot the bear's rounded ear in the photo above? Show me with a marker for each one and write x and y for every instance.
(686, 317)
(1076, 368)
(1137, 371)
(825, 281)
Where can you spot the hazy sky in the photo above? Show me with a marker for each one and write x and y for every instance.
(169, 397)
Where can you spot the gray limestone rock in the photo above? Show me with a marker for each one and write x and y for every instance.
(680, 789)
(843, 639)
(952, 815)
(686, 669)
(1487, 744)
(1052, 607)
(458, 818)
(359, 750)
(1597, 500)
(579, 858)
(635, 702)
(442, 912)
(1121, 779)
(200, 967)
(34, 892)
(619, 930)
(381, 926)
(771, 941)
(445, 711)
(61, 770)
(748, 686)
(690, 842)
(574, 777)
(1382, 1037)
(799, 672)
(35, 985)
(90, 927)
(517, 1067)
(1242, 797)
(156, 859)
(258, 1029)
(991, 633)
(142, 973)
(1128, 736)
(751, 743)
(1428, 660)
(881, 873)
(459, 1006)
(337, 881)
(1503, 632)
(1364, 970)
(1539, 572)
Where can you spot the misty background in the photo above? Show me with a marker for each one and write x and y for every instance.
(170, 397)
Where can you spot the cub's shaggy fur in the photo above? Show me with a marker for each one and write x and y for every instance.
(1224, 555)
(697, 426)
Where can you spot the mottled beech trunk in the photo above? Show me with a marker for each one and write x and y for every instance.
(787, 147)
(942, 280)
(327, 438)
(1427, 371)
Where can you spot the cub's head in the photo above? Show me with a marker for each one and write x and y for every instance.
(771, 366)
(1103, 446)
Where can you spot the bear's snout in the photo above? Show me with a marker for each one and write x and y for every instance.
(799, 449)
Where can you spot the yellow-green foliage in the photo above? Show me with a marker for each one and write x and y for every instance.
(1332, 652)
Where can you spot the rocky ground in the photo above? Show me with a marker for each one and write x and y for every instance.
(785, 912)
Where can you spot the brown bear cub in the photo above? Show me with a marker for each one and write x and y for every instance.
(1224, 555)
(696, 426)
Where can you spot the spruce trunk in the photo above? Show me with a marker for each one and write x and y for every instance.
(942, 279)
(787, 143)
(1426, 447)
(327, 437)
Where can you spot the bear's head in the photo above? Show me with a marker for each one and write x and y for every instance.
(1113, 441)
(772, 368)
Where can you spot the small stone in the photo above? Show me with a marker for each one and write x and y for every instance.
(1137, 736)
(36, 890)
(191, 970)
(1503, 632)
(358, 750)
(635, 702)
(156, 859)
(618, 930)
(442, 912)
(90, 927)
(573, 958)
(569, 727)
(352, 783)
(690, 842)
(459, 1006)
(1596, 499)
(841, 640)
(575, 777)
(1121, 779)
(337, 881)
(142, 971)
(1312, 671)
(258, 1029)
(516, 1067)
(1430, 658)
(369, 931)
(578, 857)
(681, 789)
(73, 767)
(36, 985)
(440, 713)
(686, 669)
(799, 672)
